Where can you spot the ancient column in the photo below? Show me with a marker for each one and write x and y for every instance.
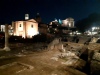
(24, 30)
(14, 30)
(6, 48)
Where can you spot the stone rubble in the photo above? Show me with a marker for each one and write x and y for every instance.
(94, 46)
(72, 50)
(53, 43)
(94, 40)
(95, 67)
(96, 56)
(70, 54)
(70, 62)
(55, 58)
(20, 70)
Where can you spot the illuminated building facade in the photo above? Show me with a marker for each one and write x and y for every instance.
(93, 31)
(10, 30)
(65, 26)
(69, 22)
(2, 28)
(26, 29)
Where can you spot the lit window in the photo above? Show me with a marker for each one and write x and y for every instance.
(31, 26)
(20, 25)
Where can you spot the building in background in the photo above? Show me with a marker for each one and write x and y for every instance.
(30, 27)
(10, 29)
(65, 26)
(26, 29)
(69, 22)
(93, 31)
(2, 28)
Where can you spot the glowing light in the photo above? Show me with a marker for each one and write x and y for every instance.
(65, 22)
(93, 28)
(50, 23)
(70, 33)
(31, 32)
(55, 28)
(69, 25)
(56, 19)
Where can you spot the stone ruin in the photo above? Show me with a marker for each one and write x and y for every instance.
(70, 53)
(94, 40)
(95, 63)
(53, 44)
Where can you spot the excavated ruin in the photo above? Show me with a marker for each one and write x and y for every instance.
(77, 58)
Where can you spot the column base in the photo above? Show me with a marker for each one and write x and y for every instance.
(7, 49)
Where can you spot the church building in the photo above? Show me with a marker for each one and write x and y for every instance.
(26, 28)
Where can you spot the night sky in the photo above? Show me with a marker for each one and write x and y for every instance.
(12, 10)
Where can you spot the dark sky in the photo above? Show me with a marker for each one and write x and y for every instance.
(11, 10)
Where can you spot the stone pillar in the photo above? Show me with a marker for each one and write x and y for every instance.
(14, 30)
(6, 48)
(17, 28)
(24, 30)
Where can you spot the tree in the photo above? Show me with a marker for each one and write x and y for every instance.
(88, 22)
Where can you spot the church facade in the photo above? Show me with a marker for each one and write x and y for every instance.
(26, 29)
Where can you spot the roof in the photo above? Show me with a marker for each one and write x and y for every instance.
(30, 20)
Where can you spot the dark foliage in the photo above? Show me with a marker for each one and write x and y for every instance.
(92, 20)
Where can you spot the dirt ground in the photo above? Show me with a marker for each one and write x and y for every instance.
(40, 63)
(35, 63)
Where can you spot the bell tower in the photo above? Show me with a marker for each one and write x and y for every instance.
(26, 16)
